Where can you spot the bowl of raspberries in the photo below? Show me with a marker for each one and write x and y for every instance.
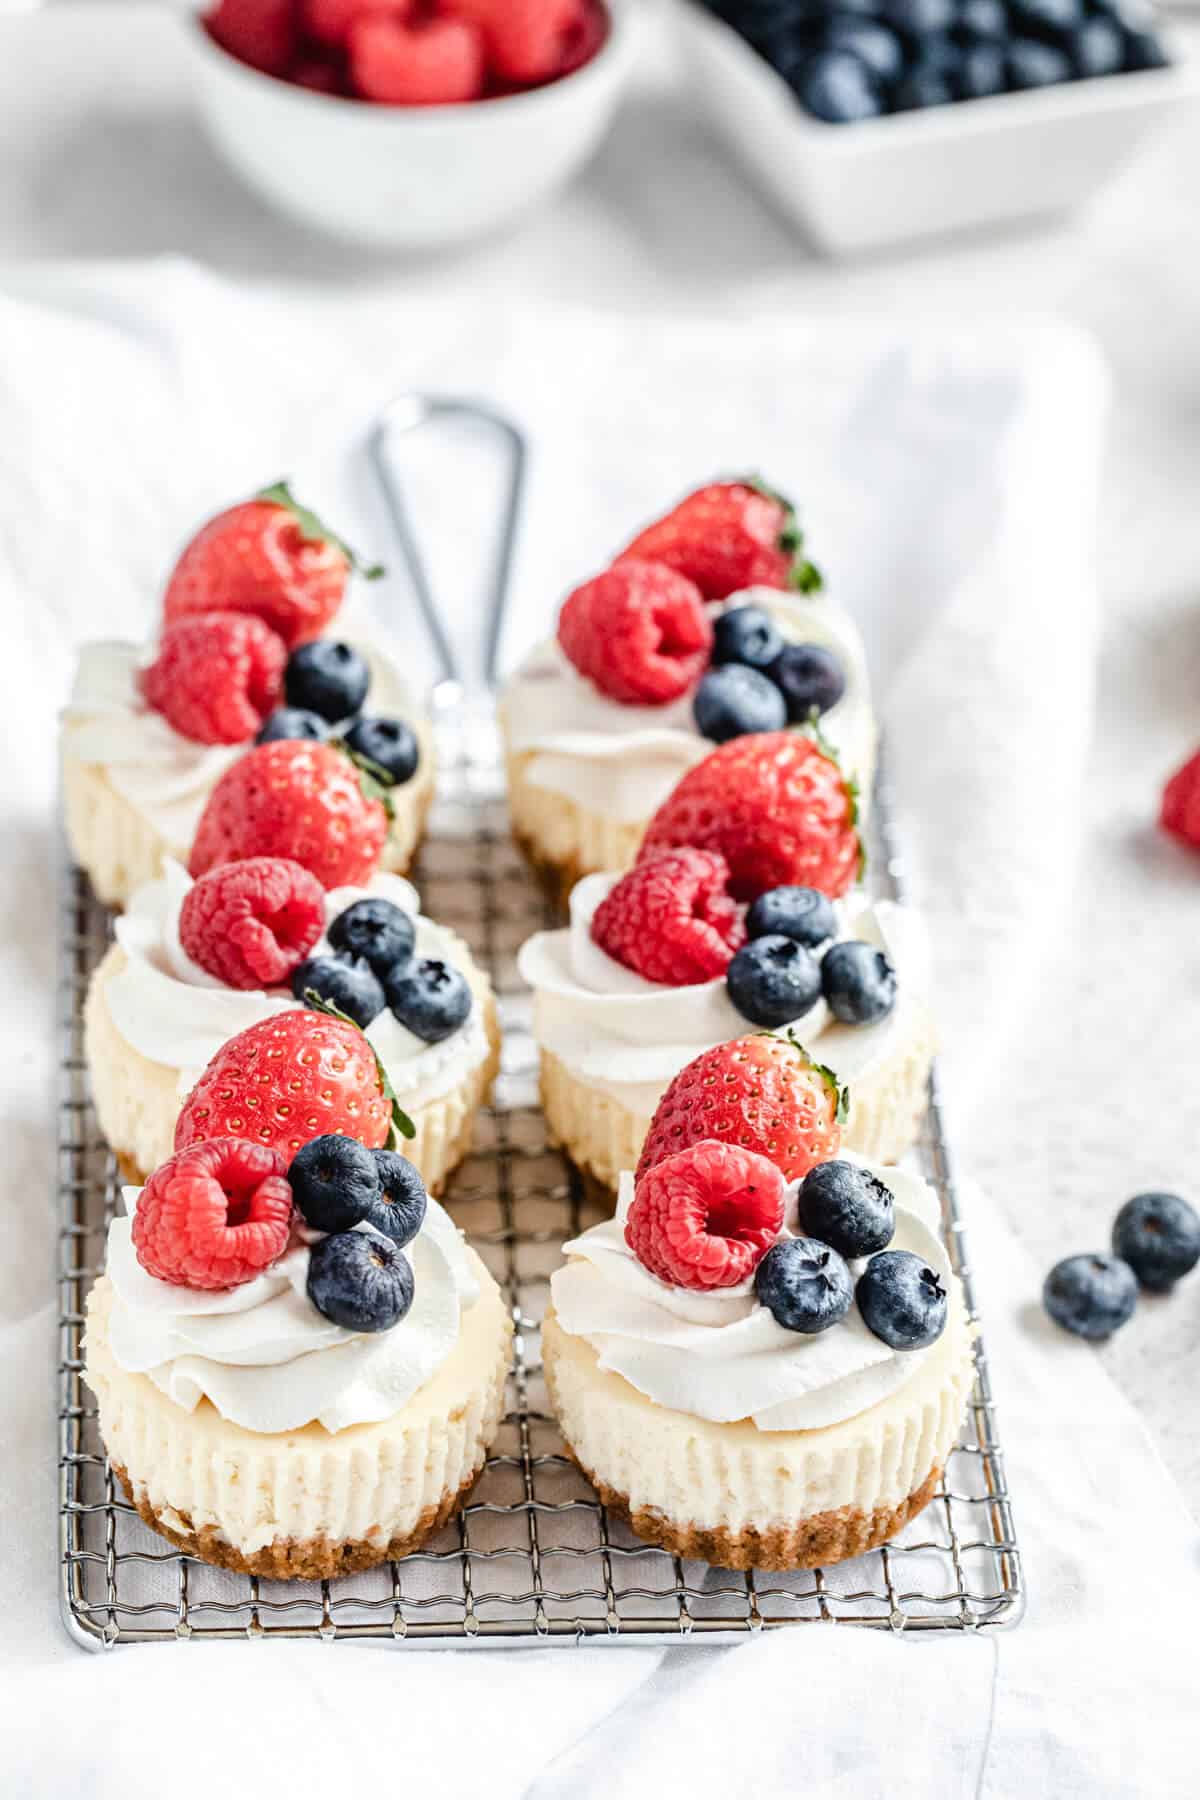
(873, 122)
(409, 124)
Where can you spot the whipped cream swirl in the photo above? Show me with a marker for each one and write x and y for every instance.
(173, 1012)
(722, 1356)
(265, 1357)
(623, 761)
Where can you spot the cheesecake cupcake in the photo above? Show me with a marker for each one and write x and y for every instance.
(298, 1366)
(764, 1358)
(245, 652)
(708, 626)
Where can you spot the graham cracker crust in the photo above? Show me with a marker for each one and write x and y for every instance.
(826, 1537)
(317, 1559)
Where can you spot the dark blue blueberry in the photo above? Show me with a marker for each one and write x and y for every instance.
(1144, 51)
(292, 722)
(1092, 1296)
(399, 1212)
(927, 83)
(808, 676)
(847, 1206)
(876, 44)
(335, 1182)
(837, 86)
(375, 930)
(858, 982)
(802, 913)
(1158, 1235)
(804, 1284)
(917, 18)
(1049, 19)
(326, 677)
(1034, 65)
(733, 700)
(746, 634)
(986, 19)
(360, 1281)
(1097, 47)
(773, 980)
(902, 1300)
(983, 70)
(388, 742)
(431, 999)
(346, 982)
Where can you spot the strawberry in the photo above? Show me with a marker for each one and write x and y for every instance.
(216, 677)
(671, 919)
(328, 22)
(1180, 811)
(259, 32)
(777, 808)
(437, 62)
(268, 556)
(638, 632)
(296, 798)
(763, 1093)
(527, 40)
(586, 35)
(728, 536)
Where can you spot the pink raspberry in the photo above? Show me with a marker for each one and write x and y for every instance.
(639, 633)
(705, 1217)
(251, 923)
(671, 918)
(216, 676)
(214, 1215)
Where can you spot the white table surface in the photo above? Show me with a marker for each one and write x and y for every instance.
(101, 156)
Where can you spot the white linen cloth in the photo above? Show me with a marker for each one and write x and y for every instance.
(948, 483)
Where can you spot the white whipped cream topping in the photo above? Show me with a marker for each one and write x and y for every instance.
(166, 776)
(614, 1029)
(262, 1353)
(721, 1356)
(623, 761)
(173, 1012)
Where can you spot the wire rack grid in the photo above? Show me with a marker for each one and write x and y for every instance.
(533, 1557)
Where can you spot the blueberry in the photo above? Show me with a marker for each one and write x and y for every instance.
(902, 1300)
(986, 19)
(927, 83)
(390, 743)
(734, 700)
(837, 86)
(917, 18)
(982, 71)
(1158, 1235)
(746, 634)
(1092, 1296)
(1050, 19)
(804, 1284)
(802, 913)
(335, 1182)
(874, 43)
(847, 1206)
(858, 982)
(360, 1281)
(1097, 47)
(808, 676)
(377, 932)
(1034, 65)
(1144, 51)
(399, 1211)
(430, 998)
(326, 677)
(772, 980)
(292, 722)
(347, 983)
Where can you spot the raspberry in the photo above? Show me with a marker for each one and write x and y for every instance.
(707, 1216)
(216, 678)
(778, 809)
(762, 1092)
(259, 32)
(671, 919)
(1180, 813)
(728, 536)
(639, 632)
(329, 21)
(295, 798)
(251, 923)
(436, 63)
(527, 40)
(587, 33)
(214, 1215)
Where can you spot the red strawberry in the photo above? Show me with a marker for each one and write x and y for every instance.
(438, 62)
(671, 919)
(251, 923)
(214, 1215)
(1180, 813)
(322, 74)
(526, 39)
(329, 21)
(728, 536)
(705, 1217)
(270, 557)
(776, 806)
(259, 32)
(296, 798)
(287, 1080)
(216, 677)
(584, 38)
(762, 1092)
(639, 632)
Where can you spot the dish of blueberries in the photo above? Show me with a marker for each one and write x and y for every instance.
(849, 60)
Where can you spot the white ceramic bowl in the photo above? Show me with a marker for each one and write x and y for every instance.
(407, 178)
(854, 188)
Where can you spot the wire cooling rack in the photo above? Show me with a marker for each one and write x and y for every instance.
(533, 1556)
